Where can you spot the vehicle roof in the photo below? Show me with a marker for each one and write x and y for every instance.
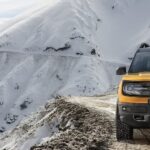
(147, 49)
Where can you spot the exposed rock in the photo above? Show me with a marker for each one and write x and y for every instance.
(16, 86)
(2, 129)
(65, 47)
(93, 52)
(58, 77)
(24, 105)
(79, 127)
(77, 37)
(10, 118)
(79, 53)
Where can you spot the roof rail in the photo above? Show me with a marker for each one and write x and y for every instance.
(144, 45)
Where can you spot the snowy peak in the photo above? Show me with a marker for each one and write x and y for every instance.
(92, 23)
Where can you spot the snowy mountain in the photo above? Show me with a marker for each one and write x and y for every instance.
(71, 48)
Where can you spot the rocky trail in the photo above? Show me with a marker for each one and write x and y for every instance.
(107, 104)
(74, 123)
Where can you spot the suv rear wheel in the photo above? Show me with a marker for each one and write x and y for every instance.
(123, 131)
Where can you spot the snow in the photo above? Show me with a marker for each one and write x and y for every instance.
(70, 48)
(104, 103)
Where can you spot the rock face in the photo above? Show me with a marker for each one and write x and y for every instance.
(79, 128)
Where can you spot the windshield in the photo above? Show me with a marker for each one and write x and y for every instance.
(141, 63)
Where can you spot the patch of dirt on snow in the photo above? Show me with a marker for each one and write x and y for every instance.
(79, 128)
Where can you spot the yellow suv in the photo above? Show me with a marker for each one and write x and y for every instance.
(133, 106)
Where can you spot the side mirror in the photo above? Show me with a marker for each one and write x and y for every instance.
(121, 71)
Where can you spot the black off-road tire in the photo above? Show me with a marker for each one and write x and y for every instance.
(123, 131)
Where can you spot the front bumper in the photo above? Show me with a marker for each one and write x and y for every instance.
(135, 115)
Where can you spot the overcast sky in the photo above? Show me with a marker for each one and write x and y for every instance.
(12, 8)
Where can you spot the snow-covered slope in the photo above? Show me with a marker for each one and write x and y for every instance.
(70, 48)
(122, 24)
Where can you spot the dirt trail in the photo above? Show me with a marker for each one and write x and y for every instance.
(76, 123)
(108, 104)
(79, 128)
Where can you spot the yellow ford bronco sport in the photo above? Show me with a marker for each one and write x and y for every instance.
(133, 106)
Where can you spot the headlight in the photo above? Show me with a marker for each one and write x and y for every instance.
(136, 88)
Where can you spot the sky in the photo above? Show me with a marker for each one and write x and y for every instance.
(12, 8)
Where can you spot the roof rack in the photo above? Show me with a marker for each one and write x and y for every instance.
(144, 45)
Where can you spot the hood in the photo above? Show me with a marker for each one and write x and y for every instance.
(143, 76)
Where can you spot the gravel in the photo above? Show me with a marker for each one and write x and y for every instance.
(79, 128)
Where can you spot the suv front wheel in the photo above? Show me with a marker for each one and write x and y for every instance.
(123, 131)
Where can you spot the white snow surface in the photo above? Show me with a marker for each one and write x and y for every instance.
(47, 52)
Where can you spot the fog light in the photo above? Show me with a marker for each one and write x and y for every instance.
(124, 108)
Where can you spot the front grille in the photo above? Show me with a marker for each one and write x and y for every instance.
(136, 109)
